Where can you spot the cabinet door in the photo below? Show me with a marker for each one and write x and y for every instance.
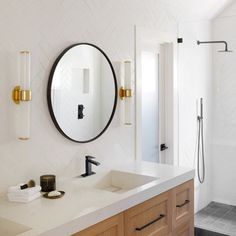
(113, 226)
(183, 203)
(185, 229)
(151, 218)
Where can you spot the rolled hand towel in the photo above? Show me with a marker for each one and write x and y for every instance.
(16, 191)
(23, 199)
(15, 188)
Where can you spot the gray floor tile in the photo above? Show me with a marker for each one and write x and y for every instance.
(219, 226)
(231, 229)
(217, 217)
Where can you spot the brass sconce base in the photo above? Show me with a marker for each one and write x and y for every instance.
(19, 95)
(23, 139)
(125, 93)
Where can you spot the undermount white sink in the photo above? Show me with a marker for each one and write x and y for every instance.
(10, 228)
(119, 181)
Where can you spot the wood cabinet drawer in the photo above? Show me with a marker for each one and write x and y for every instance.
(150, 218)
(185, 229)
(183, 203)
(113, 226)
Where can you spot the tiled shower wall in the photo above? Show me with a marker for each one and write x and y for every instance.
(224, 104)
(195, 82)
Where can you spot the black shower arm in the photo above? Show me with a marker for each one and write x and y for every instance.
(207, 42)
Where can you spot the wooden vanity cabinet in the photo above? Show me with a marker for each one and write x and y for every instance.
(113, 226)
(168, 214)
(183, 199)
(185, 229)
(152, 217)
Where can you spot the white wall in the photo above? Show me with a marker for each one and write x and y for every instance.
(195, 81)
(224, 113)
(46, 28)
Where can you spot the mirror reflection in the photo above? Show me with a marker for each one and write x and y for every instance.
(83, 92)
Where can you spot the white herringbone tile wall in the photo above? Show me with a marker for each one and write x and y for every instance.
(46, 28)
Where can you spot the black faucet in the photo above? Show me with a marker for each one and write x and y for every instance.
(88, 166)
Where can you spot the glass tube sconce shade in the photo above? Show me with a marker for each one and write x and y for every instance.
(126, 93)
(22, 96)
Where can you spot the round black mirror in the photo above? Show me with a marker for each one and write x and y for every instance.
(82, 92)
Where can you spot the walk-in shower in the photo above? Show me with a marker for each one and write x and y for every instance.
(218, 218)
(200, 141)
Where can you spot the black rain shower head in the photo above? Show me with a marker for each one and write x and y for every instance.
(210, 42)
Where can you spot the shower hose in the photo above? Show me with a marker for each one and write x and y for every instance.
(200, 150)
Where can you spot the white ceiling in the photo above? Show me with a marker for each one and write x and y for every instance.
(186, 10)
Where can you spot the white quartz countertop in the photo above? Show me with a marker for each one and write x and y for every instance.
(84, 205)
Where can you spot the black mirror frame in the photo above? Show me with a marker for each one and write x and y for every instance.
(49, 92)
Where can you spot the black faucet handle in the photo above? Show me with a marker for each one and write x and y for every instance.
(89, 157)
(90, 160)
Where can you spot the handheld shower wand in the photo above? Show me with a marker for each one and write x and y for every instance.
(200, 145)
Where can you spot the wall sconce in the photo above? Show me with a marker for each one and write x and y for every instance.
(21, 95)
(126, 92)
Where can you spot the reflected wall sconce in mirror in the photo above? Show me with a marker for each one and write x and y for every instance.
(126, 92)
(21, 96)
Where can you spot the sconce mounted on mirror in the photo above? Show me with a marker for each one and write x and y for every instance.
(22, 96)
(126, 92)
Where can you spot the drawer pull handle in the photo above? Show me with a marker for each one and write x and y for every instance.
(185, 203)
(150, 223)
